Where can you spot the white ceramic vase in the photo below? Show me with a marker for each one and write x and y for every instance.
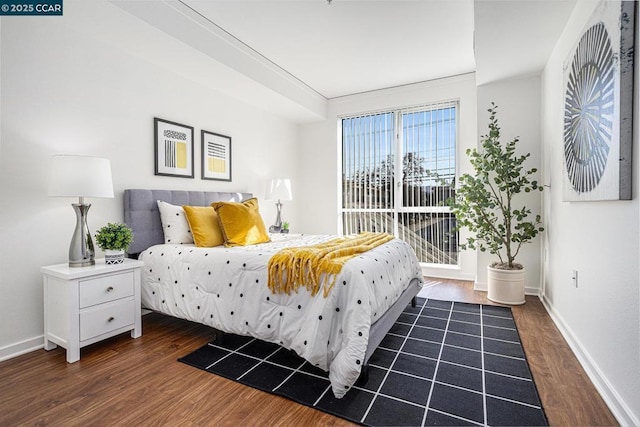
(505, 286)
(113, 256)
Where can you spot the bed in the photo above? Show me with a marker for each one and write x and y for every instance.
(226, 288)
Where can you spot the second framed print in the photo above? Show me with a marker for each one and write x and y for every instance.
(173, 148)
(216, 156)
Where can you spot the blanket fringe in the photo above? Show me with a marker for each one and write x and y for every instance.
(317, 266)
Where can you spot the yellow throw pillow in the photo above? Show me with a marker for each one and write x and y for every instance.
(241, 223)
(205, 228)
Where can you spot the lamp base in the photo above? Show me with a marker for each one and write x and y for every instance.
(88, 263)
(81, 252)
(275, 228)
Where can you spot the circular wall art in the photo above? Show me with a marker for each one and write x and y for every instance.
(589, 108)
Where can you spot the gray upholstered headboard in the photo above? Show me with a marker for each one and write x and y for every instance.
(142, 215)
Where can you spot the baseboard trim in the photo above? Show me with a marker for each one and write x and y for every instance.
(618, 407)
(16, 349)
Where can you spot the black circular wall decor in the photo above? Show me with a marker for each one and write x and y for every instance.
(588, 109)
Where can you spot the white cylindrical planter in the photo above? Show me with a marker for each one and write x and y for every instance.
(113, 256)
(505, 286)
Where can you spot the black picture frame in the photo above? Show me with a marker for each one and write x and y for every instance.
(216, 156)
(173, 148)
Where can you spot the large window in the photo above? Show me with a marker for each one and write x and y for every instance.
(398, 167)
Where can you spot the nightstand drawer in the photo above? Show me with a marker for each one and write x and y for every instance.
(106, 288)
(106, 318)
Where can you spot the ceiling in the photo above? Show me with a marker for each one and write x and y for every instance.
(515, 37)
(349, 47)
(309, 51)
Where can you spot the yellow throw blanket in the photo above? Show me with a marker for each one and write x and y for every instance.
(318, 265)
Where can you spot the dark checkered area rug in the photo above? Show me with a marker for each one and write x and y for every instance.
(442, 363)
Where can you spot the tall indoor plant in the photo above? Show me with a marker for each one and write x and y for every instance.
(486, 203)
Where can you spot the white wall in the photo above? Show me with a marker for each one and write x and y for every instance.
(319, 150)
(601, 317)
(518, 102)
(88, 83)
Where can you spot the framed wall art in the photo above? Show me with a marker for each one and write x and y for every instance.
(173, 148)
(216, 156)
(598, 106)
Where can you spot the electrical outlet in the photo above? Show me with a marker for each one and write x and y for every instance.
(574, 278)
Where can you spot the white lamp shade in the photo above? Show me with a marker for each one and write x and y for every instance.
(80, 176)
(278, 189)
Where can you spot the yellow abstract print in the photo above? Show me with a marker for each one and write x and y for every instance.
(181, 155)
(216, 164)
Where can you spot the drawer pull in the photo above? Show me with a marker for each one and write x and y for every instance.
(110, 288)
(111, 319)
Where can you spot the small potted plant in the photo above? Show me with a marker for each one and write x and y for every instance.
(114, 239)
(285, 227)
(487, 204)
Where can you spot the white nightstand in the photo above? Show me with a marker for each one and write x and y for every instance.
(281, 237)
(84, 305)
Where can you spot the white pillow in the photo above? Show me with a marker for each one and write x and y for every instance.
(174, 223)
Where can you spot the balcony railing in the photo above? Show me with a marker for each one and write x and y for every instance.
(430, 234)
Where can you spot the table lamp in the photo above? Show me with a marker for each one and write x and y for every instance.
(80, 176)
(278, 189)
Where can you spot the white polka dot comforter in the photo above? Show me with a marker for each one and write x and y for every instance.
(226, 288)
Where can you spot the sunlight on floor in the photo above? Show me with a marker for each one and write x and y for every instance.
(428, 283)
(452, 290)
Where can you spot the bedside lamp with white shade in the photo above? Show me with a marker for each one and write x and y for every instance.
(81, 176)
(278, 189)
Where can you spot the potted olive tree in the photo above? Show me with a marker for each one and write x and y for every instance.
(487, 204)
(114, 239)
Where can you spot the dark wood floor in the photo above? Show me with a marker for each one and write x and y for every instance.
(122, 381)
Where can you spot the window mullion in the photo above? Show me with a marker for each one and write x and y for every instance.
(398, 180)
